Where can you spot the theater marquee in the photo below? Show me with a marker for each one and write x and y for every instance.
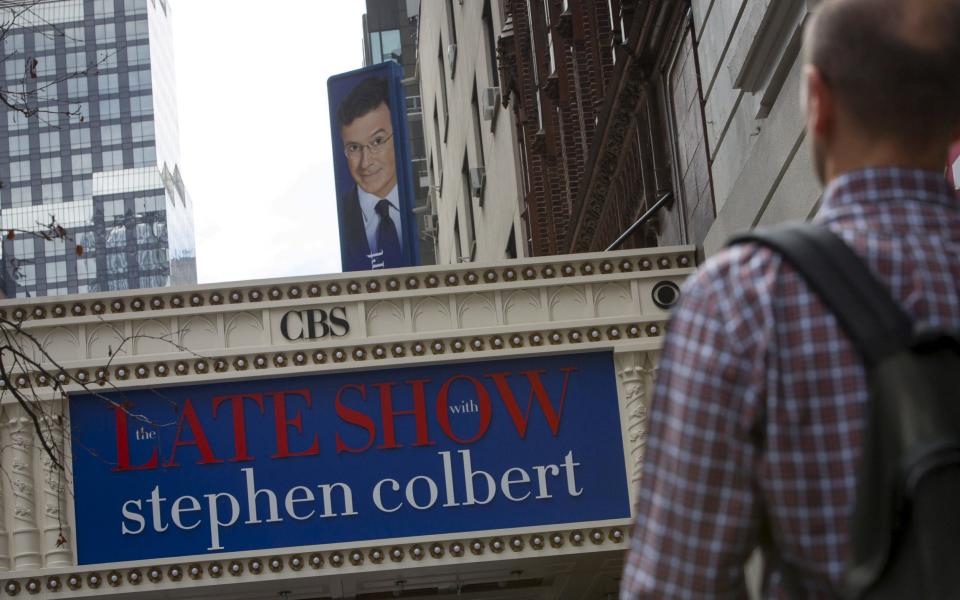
(329, 431)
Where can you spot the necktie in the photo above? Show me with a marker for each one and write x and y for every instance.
(387, 239)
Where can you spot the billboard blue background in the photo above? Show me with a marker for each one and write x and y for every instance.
(338, 87)
(589, 427)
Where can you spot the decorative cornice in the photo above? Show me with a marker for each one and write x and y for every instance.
(54, 310)
(176, 574)
(128, 370)
(635, 65)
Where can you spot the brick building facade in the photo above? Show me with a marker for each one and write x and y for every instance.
(608, 108)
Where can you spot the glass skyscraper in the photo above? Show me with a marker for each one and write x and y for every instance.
(100, 155)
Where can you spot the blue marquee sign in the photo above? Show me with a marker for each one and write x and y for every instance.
(344, 457)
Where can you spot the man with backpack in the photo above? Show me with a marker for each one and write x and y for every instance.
(802, 403)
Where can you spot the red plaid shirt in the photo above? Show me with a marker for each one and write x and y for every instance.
(751, 353)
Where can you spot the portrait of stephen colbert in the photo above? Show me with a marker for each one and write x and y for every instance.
(370, 217)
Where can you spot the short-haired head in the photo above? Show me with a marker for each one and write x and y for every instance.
(891, 64)
(362, 99)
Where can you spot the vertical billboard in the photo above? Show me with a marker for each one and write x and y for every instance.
(372, 167)
(347, 457)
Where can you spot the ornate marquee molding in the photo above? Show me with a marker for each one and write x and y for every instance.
(211, 332)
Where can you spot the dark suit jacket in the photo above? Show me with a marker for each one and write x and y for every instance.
(353, 237)
(354, 248)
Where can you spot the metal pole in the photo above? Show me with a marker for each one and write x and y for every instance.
(666, 197)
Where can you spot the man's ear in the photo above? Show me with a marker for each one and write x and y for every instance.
(821, 109)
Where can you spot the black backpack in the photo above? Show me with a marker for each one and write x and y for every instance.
(905, 527)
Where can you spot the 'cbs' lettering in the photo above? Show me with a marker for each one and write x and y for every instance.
(315, 323)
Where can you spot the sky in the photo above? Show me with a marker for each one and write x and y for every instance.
(255, 131)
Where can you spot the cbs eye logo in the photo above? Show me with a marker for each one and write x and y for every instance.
(314, 323)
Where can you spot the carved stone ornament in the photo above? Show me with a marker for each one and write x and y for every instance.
(636, 371)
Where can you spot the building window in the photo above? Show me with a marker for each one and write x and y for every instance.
(137, 30)
(552, 66)
(477, 130)
(148, 204)
(617, 26)
(13, 43)
(457, 249)
(21, 196)
(82, 189)
(491, 44)
(23, 247)
(76, 86)
(511, 250)
(110, 135)
(437, 149)
(79, 138)
(141, 106)
(139, 80)
(112, 209)
(118, 266)
(19, 144)
(82, 164)
(468, 213)
(74, 37)
(46, 66)
(13, 68)
(146, 235)
(143, 131)
(76, 62)
(134, 7)
(26, 275)
(87, 239)
(79, 113)
(112, 160)
(385, 45)
(50, 141)
(106, 59)
(102, 8)
(536, 71)
(138, 55)
(44, 40)
(106, 34)
(50, 167)
(524, 172)
(16, 120)
(149, 281)
(20, 171)
(52, 193)
(451, 23)
(144, 157)
(443, 90)
(108, 84)
(110, 109)
(56, 271)
(86, 268)
(51, 118)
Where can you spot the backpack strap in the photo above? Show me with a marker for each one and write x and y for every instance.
(864, 308)
(874, 322)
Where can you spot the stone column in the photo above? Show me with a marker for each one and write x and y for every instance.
(56, 529)
(636, 372)
(4, 489)
(26, 536)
